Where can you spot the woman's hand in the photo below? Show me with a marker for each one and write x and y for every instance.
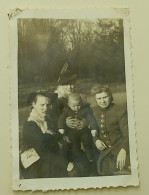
(100, 145)
(75, 123)
(81, 124)
(121, 159)
(70, 122)
(50, 132)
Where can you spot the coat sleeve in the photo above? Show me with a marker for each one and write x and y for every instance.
(62, 119)
(123, 122)
(91, 119)
(34, 138)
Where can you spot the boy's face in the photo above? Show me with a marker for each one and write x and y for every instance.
(75, 105)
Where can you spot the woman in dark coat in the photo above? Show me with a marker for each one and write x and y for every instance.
(39, 134)
(113, 141)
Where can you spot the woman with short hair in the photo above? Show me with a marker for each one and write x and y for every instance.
(113, 141)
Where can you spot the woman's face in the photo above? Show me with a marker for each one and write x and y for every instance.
(65, 90)
(68, 88)
(102, 99)
(42, 105)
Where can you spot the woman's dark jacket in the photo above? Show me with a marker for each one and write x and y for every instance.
(113, 124)
(50, 164)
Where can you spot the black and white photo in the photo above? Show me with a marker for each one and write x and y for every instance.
(72, 101)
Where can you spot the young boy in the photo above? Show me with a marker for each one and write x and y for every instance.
(78, 111)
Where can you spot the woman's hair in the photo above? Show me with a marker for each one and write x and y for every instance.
(105, 89)
(33, 96)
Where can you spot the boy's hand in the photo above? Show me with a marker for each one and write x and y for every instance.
(61, 131)
(100, 145)
(94, 133)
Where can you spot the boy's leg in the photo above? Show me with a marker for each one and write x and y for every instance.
(74, 155)
(76, 144)
(87, 141)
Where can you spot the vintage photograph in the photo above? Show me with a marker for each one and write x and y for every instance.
(72, 101)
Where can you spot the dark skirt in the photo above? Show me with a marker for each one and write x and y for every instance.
(48, 166)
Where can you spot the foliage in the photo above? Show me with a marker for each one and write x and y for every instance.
(92, 48)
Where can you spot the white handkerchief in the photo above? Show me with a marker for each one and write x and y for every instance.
(29, 157)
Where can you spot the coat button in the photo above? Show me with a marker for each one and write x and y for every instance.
(102, 132)
(102, 116)
(102, 120)
(101, 126)
(105, 135)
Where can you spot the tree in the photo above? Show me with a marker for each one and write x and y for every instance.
(93, 48)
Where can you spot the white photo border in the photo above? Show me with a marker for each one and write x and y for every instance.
(71, 183)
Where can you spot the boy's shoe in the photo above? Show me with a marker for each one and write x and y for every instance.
(70, 166)
(72, 170)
